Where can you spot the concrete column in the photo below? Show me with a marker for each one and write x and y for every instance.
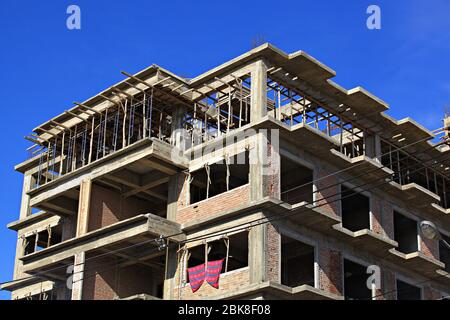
(169, 281)
(257, 253)
(78, 275)
(176, 126)
(373, 147)
(82, 228)
(25, 211)
(172, 204)
(258, 97)
(83, 207)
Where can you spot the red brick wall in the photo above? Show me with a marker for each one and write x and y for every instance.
(388, 285)
(99, 279)
(377, 219)
(108, 207)
(382, 217)
(273, 243)
(431, 294)
(222, 202)
(388, 218)
(103, 281)
(429, 247)
(228, 282)
(330, 270)
(322, 196)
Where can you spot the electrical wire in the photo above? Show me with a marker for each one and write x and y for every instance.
(234, 228)
(215, 234)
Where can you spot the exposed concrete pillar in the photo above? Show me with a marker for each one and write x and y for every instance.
(174, 187)
(83, 207)
(257, 253)
(258, 97)
(169, 281)
(78, 275)
(373, 147)
(25, 211)
(177, 126)
(82, 228)
(171, 263)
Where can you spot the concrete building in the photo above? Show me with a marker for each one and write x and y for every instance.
(298, 183)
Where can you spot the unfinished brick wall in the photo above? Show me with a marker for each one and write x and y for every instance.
(388, 218)
(99, 279)
(228, 283)
(103, 280)
(382, 217)
(273, 249)
(220, 203)
(430, 293)
(330, 270)
(377, 215)
(430, 247)
(328, 191)
(388, 284)
(108, 207)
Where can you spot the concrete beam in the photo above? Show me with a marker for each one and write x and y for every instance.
(140, 228)
(140, 150)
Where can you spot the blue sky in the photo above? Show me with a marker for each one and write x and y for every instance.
(45, 66)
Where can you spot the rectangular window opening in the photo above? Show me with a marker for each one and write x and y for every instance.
(238, 175)
(406, 291)
(355, 210)
(355, 281)
(296, 182)
(297, 263)
(405, 233)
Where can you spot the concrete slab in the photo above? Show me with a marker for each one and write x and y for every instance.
(141, 228)
(278, 291)
(416, 261)
(366, 240)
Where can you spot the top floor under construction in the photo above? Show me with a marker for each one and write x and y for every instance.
(159, 155)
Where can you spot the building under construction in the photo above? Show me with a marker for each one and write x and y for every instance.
(296, 186)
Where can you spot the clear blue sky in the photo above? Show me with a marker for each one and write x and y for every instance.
(44, 66)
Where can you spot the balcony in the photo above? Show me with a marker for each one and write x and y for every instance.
(121, 170)
(367, 239)
(125, 237)
(416, 261)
